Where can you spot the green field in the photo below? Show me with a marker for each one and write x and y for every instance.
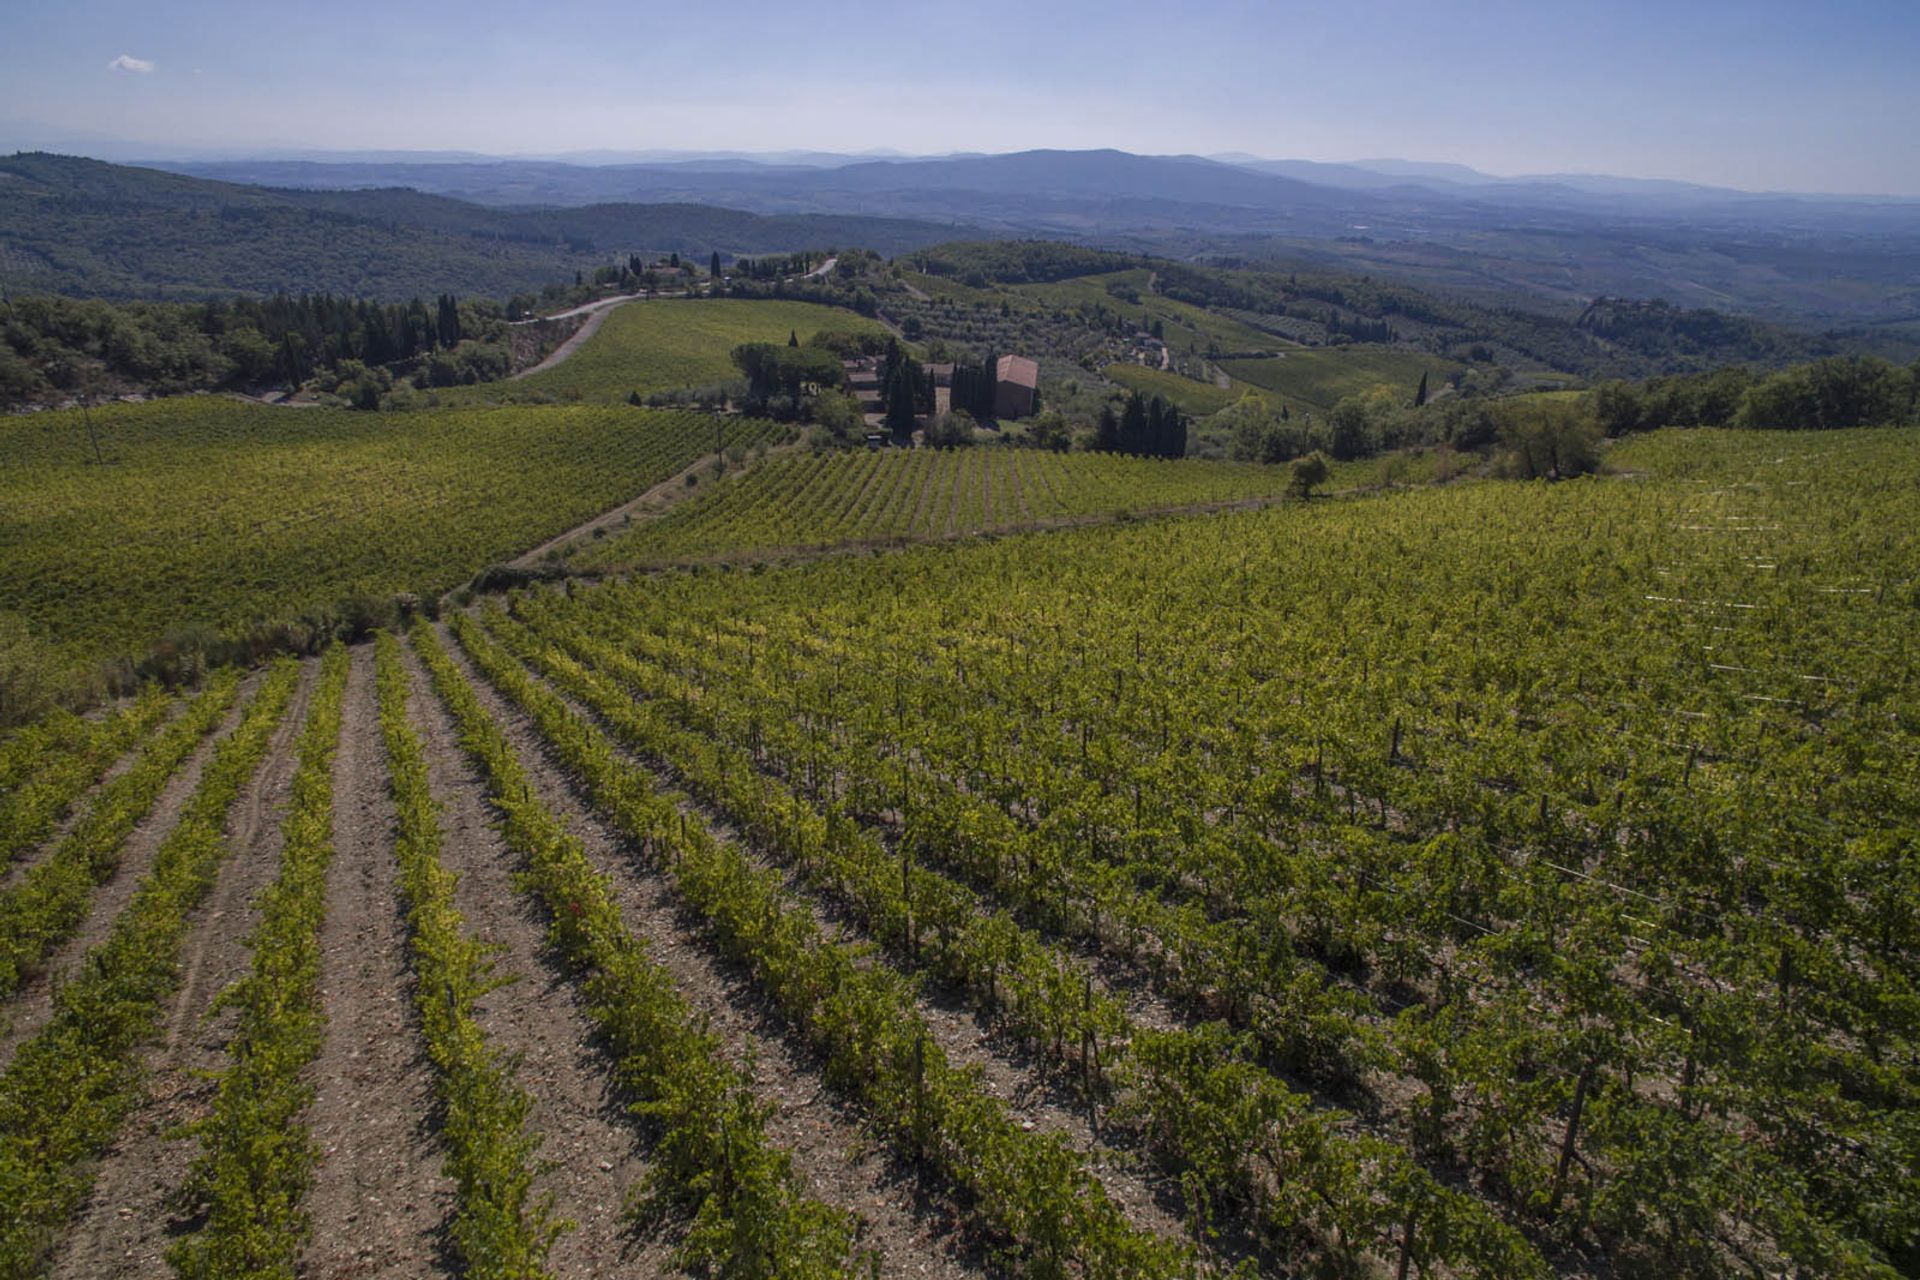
(670, 345)
(1198, 399)
(1317, 378)
(212, 512)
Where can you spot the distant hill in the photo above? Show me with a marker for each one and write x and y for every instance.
(76, 226)
(1561, 239)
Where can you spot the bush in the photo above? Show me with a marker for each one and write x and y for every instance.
(31, 674)
(1308, 474)
(950, 430)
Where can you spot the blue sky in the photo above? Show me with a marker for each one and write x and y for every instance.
(1757, 94)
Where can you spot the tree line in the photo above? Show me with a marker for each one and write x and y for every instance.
(52, 345)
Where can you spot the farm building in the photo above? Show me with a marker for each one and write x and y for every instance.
(1016, 387)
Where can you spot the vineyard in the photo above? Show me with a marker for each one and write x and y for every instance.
(180, 525)
(797, 501)
(1488, 880)
(1315, 379)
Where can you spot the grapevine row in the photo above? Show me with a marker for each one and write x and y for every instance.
(1030, 1188)
(50, 900)
(1314, 1184)
(257, 1157)
(713, 1157)
(28, 813)
(501, 1229)
(65, 1093)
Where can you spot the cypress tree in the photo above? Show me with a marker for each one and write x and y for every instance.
(1420, 396)
(1135, 431)
(1106, 432)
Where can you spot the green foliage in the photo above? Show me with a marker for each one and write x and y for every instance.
(501, 1229)
(66, 765)
(1030, 1188)
(1830, 394)
(1307, 474)
(257, 1158)
(793, 371)
(1315, 380)
(1470, 957)
(713, 1158)
(1017, 261)
(895, 495)
(76, 349)
(669, 345)
(1548, 439)
(234, 516)
(1192, 396)
(66, 1091)
(47, 903)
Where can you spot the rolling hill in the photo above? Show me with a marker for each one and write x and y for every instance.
(70, 225)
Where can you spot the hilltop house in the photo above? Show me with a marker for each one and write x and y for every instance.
(1016, 387)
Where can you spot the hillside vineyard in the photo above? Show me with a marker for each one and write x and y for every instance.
(1478, 880)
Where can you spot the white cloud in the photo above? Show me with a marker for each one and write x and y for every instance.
(127, 62)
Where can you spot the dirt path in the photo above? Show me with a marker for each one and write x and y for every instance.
(130, 1218)
(909, 1224)
(673, 488)
(564, 352)
(539, 1021)
(379, 1197)
(31, 1007)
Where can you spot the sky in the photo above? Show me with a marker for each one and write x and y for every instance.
(1757, 94)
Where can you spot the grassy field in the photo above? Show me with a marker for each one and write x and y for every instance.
(209, 511)
(1317, 378)
(1198, 399)
(667, 345)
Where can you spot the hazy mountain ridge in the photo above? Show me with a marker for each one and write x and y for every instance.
(1823, 261)
(79, 226)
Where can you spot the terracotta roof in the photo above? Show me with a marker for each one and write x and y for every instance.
(1018, 370)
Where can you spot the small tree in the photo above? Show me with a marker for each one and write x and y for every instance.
(1308, 474)
(1549, 440)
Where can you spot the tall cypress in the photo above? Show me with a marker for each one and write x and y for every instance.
(1135, 432)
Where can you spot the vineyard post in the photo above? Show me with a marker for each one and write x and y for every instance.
(1572, 1135)
(920, 1094)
